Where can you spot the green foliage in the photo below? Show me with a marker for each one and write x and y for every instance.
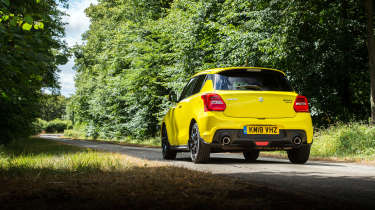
(57, 126)
(79, 133)
(326, 56)
(135, 55)
(53, 126)
(52, 106)
(39, 126)
(345, 140)
(125, 96)
(74, 133)
(30, 51)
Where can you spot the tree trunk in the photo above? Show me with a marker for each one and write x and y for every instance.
(371, 55)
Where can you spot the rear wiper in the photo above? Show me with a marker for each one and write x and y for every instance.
(251, 87)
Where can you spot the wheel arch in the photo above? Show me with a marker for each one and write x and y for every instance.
(192, 121)
(163, 127)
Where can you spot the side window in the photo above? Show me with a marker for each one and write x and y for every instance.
(188, 89)
(199, 84)
(193, 87)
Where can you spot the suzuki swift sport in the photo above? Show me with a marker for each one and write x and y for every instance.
(238, 109)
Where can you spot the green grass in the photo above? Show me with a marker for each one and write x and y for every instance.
(43, 174)
(154, 141)
(342, 142)
(77, 134)
(37, 156)
(346, 141)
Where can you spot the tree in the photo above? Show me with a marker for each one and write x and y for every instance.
(371, 54)
(325, 54)
(52, 106)
(30, 51)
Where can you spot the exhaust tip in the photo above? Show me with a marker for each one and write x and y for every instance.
(297, 140)
(226, 140)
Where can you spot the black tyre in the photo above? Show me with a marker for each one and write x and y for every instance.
(300, 155)
(199, 152)
(251, 155)
(168, 153)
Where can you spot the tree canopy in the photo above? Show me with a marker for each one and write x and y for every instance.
(52, 106)
(30, 49)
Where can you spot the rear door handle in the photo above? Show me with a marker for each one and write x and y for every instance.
(180, 106)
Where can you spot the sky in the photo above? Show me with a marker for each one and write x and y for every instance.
(77, 23)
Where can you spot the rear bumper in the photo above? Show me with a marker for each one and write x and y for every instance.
(212, 124)
(242, 142)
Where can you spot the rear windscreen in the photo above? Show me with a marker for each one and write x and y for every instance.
(262, 80)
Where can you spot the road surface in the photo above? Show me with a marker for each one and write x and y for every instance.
(334, 182)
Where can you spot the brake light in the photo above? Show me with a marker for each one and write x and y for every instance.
(213, 102)
(301, 104)
(261, 143)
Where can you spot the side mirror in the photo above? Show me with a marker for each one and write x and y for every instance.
(172, 97)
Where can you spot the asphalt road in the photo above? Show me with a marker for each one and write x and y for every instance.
(334, 182)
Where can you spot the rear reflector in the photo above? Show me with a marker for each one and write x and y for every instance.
(261, 143)
(301, 104)
(213, 102)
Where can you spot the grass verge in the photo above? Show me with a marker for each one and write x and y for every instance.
(352, 142)
(79, 135)
(41, 174)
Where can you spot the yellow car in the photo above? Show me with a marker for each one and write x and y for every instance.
(238, 109)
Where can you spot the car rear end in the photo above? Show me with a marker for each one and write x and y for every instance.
(254, 109)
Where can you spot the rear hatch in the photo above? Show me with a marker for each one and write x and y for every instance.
(255, 93)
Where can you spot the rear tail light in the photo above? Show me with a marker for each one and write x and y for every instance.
(301, 104)
(213, 102)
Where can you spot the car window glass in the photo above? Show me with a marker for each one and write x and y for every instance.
(186, 92)
(198, 84)
(265, 80)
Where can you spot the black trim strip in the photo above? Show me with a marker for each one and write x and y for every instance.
(180, 148)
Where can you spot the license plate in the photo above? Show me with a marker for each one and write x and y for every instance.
(261, 129)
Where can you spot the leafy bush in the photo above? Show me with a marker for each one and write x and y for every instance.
(39, 125)
(79, 133)
(75, 134)
(57, 126)
(54, 126)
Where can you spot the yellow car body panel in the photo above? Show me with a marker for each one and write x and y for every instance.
(236, 115)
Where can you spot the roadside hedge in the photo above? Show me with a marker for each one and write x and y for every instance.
(53, 126)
